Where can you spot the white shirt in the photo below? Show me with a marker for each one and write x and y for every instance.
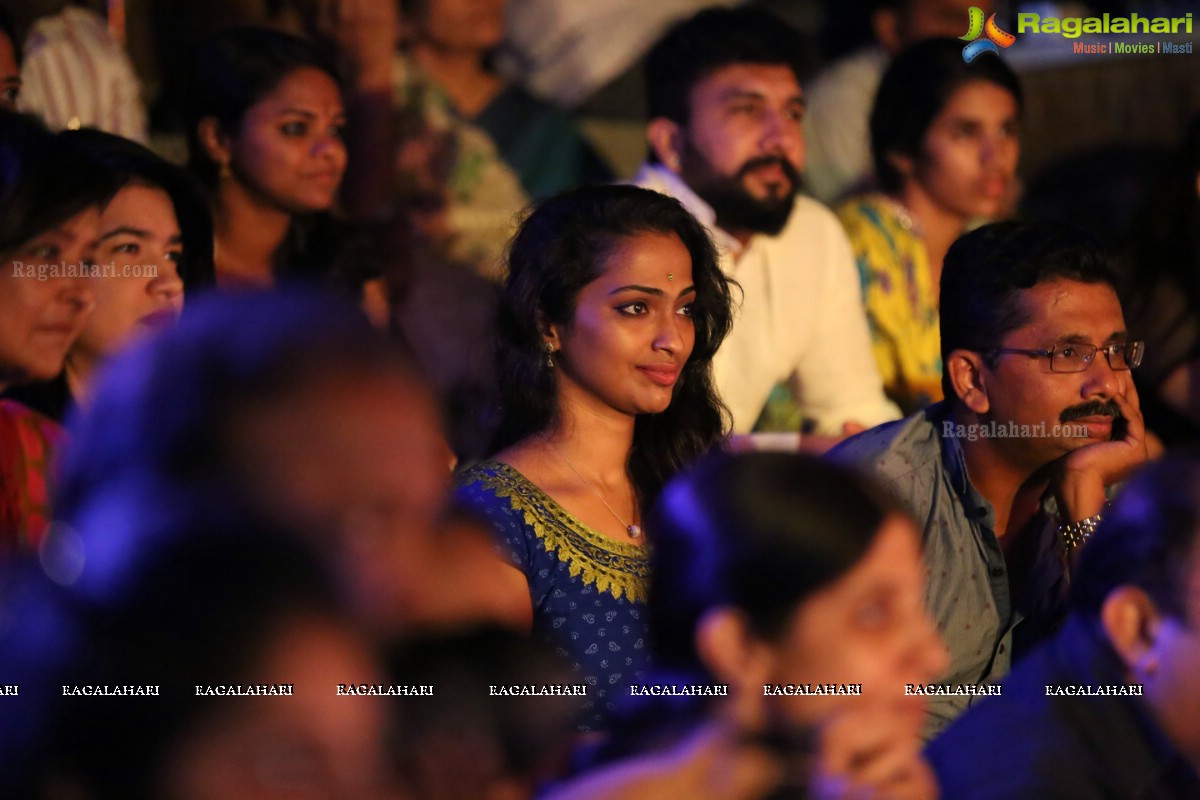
(76, 75)
(800, 320)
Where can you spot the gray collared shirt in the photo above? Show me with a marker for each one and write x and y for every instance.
(978, 606)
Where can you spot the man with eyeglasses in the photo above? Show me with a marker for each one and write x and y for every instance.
(1033, 339)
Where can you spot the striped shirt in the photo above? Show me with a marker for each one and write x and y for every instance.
(76, 75)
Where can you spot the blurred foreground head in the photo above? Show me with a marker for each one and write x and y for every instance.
(1138, 580)
(467, 741)
(180, 598)
(288, 408)
(775, 568)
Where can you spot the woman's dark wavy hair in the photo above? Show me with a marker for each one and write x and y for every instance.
(561, 248)
(914, 90)
(234, 69)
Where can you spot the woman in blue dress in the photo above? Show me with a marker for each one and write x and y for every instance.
(612, 310)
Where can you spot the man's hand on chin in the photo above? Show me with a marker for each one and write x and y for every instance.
(1083, 475)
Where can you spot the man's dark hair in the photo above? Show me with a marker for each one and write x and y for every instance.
(914, 90)
(1147, 540)
(986, 270)
(716, 38)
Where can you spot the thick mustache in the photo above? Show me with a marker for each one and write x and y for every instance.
(767, 161)
(1095, 408)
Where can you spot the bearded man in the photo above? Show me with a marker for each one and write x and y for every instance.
(725, 110)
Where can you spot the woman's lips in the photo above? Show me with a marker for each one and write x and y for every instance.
(663, 376)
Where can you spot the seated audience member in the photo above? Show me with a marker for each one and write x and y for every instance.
(51, 197)
(265, 127)
(456, 150)
(183, 600)
(772, 570)
(725, 108)
(1163, 295)
(10, 64)
(1041, 422)
(944, 142)
(1111, 706)
(154, 247)
(303, 416)
(74, 72)
(449, 46)
(486, 731)
(841, 96)
(612, 310)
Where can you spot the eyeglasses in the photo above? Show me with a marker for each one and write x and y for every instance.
(1078, 357)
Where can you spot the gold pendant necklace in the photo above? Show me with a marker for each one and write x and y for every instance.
(633, 530)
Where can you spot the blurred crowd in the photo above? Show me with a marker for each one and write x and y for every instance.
(367, 430)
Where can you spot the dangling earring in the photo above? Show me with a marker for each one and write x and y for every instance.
(550, 355)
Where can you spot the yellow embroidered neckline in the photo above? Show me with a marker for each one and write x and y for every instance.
(610, 566)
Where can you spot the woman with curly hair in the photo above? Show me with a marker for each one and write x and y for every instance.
(613, 308)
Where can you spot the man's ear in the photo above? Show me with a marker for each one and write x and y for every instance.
(966, 369)
(1131, 620)
(665, 138)
(885, 23)
(213, 140)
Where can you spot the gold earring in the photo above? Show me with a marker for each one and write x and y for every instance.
(550, 355)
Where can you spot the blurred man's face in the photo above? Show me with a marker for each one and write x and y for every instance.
(742, 149)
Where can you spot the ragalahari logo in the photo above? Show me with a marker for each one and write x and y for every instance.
(996, 38)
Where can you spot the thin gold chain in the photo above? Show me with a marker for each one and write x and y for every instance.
(633, 530)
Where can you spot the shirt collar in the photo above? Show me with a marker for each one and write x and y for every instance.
(664, 180)
(976, 504)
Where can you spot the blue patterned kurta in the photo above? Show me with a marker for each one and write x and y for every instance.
(588, 591)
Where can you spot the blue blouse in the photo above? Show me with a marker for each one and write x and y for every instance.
(588, 591)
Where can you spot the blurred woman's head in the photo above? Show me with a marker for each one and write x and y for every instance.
(456, 25)
(296, 411)
(772, 568)
(947, 129)
(51, 196)
(155, 236)
(642, 346)
(266, 111)
(185, 596)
